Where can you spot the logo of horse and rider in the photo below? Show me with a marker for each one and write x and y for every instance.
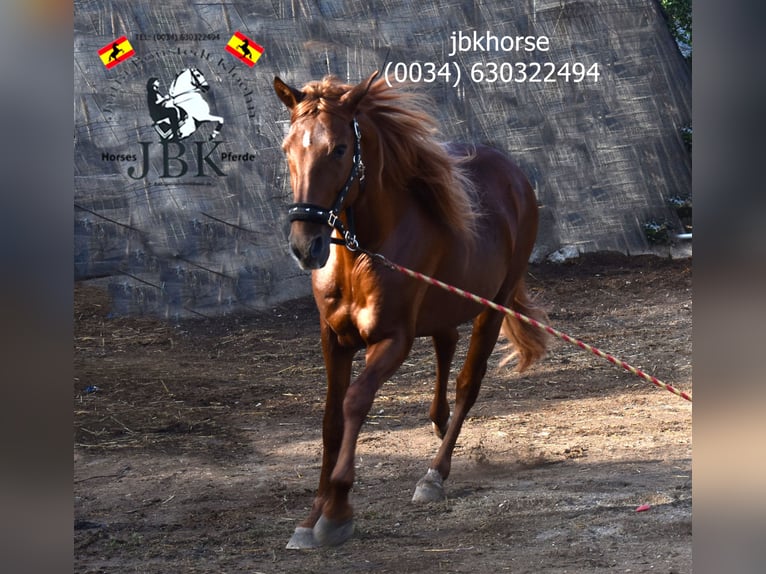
(178, 114)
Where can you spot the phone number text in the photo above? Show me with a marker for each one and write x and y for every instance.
(173, 37)
(453, 74)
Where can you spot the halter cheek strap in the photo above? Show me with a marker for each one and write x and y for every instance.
(318, 214)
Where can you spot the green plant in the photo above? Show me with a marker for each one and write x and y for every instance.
(679, 203)
(656, 233)
(679, 15)
(686, 135)
(683, 208)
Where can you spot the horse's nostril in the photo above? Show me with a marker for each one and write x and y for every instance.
(315, 250)
(310, 254)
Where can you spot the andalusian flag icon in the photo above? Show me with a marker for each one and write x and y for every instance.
(244, 49)
(116, 52)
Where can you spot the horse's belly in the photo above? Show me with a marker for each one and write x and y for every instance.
(443, 312)
(441, 309)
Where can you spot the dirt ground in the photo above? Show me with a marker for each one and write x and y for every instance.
(197, 444)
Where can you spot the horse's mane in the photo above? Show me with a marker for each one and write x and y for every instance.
(412, 153)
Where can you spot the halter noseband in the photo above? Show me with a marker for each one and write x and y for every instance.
(318, 214)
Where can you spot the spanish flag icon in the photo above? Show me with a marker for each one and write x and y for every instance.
(116, 52)
(244, 49)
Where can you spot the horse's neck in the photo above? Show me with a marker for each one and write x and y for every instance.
(174, 89)
(379, 211)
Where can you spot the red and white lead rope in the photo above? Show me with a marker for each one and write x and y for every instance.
(491, 304)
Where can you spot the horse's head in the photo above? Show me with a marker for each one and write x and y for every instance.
(187, 80)
(324, 158)
(198, 80)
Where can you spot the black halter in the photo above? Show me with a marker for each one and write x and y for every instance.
(318, 214)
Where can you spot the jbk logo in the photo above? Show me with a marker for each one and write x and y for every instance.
(174, 116)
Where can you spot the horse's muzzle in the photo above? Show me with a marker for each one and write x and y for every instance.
(310, 249)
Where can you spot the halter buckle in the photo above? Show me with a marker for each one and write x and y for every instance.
(360, 171)
(351, 243)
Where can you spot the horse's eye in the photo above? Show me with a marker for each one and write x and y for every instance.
(339, 150)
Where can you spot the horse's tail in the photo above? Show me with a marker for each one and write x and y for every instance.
(528, 343)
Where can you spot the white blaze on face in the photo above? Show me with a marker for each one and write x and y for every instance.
(306, 138)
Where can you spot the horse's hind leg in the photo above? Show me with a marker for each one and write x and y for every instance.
(486, 328)
(444, 345)
(218, 126)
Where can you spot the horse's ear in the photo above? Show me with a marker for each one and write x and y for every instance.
(355, 95)
(289, 96)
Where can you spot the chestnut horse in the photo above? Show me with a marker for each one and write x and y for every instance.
(369, 175)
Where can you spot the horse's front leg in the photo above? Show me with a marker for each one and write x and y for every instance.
(338, 362)
(383, 358)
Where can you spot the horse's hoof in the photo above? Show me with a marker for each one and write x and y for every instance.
(302, 539)
(430, 488)
(331, 533)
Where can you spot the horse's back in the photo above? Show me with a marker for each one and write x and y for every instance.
(499, 182)
(504, 200)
